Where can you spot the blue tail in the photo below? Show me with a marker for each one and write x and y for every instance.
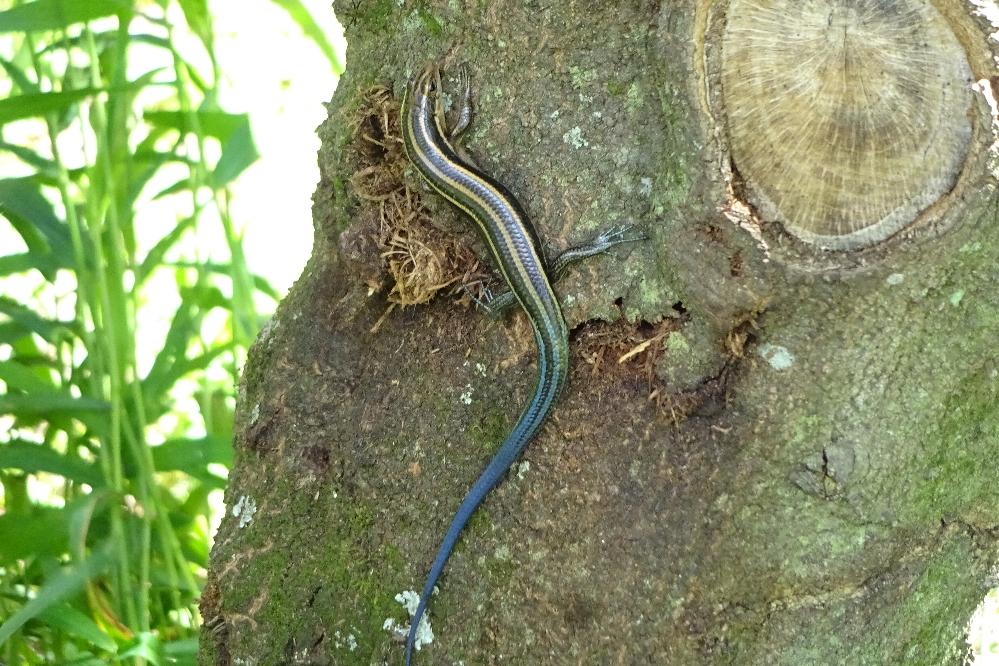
(521, 434)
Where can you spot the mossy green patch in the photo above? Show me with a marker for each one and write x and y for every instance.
(422, 19)
(490, 431)
(968, 436)
(940, 601)
(334, 578)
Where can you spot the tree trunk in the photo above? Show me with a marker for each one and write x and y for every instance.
(778, 444)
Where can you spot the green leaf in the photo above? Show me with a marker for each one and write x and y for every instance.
(42, 531)
(199, 19)
(238, 152)
(28, 320)
(154, 258)
(181, 652)
(106, 39)
(82, 518)
(20, 377)
(59, 587)
(11, 332)
(261, 284)
(38, 105)
(50, 404)
(32, 215)
(34, 458)
(46, 263)
(231, 129)
(182, 185)
(29, 156)
(84, 659)
(75, 623)
(146, 645)
(19, 78)
(300, 15)
(58, 14)
(193, 456)
(171, 362)
(147, 163)
(218, 124)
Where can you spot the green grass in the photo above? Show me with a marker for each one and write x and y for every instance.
(104, 528)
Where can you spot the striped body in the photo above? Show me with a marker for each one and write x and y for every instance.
(517, 253)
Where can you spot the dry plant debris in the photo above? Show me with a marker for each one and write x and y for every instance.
(420, 259)
(623, 350)
(628, 350)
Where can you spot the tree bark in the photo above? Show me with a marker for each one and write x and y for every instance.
(798, 469)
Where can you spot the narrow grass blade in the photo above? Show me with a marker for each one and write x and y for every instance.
(154, 258)
(20, 79)
(300, 15)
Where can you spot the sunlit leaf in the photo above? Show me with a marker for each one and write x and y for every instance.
(58, 14)
(18, 76)
(193, 456)
(218, 124)
(23, 262)
(32, 215)
(218, 411)
(308, 24)
(29, 320)
(29, 156)
(38, 105)
(183, 185)
(199, 20)
(61, 586)
(105, 38)
(147, 163)
(232, 129)
(154, 258)
(33, 458)
(238, 152)
(20, 377)
(44, 404)
(259, 283)
(146, 646)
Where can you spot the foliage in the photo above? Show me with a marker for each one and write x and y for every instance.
(104, 527)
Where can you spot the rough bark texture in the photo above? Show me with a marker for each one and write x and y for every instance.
(831, 497)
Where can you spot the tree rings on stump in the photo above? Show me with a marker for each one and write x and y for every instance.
(845, 119)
